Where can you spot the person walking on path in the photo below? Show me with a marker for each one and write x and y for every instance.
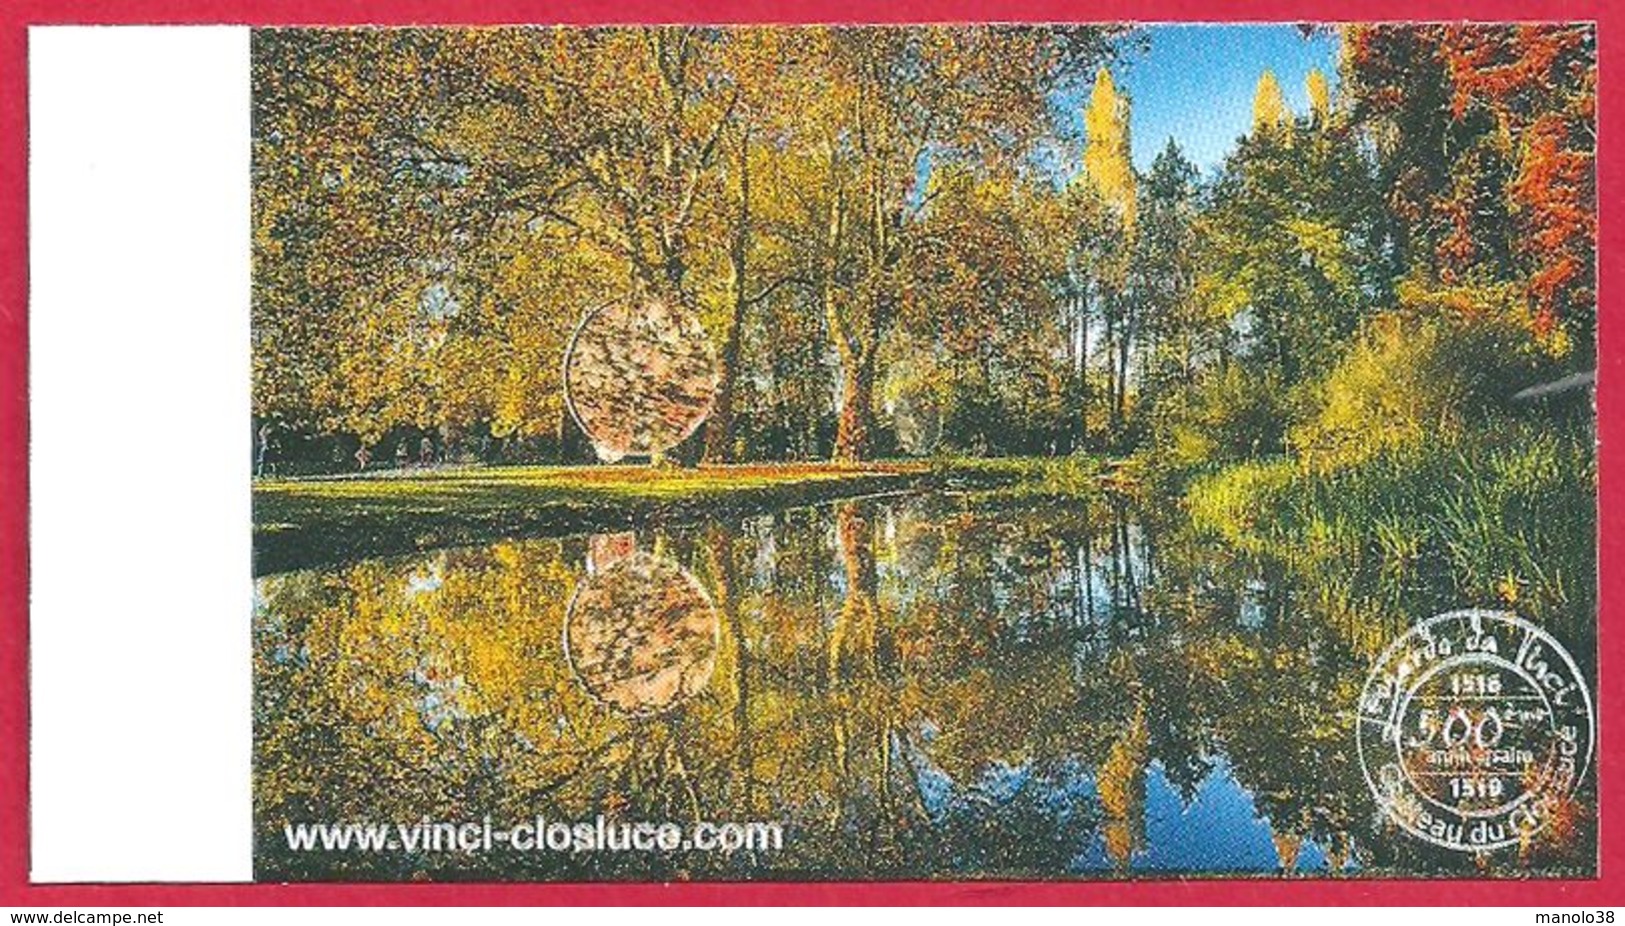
(264, 449)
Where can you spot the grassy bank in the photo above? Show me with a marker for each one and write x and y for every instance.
(1040, 479)
(307, 522)
(1503, 518)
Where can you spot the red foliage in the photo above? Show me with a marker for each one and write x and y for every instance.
(1555, 189)
(1537, 85)
(1511, 68)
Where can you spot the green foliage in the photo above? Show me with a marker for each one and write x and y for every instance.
(1504, 515)
(1411, 478)
(1290, 240)
(1238, 501)
(1176, 336)
(1229, 415)
(977, 340)
(1409, 379)
(434, 210)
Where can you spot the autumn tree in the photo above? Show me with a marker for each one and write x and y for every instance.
(981, 342)
(1320, 96)
(1105, 239)
(1270, 112)
(418, 191)
(1178, 340)
(1514, 198)
(1107, 152)
(1290, 234)
(916, 99)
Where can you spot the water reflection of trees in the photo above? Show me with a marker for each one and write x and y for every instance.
(914, 688)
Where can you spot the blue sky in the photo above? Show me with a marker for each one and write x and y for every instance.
(1195, 84)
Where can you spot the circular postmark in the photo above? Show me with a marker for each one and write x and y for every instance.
(1475, 727)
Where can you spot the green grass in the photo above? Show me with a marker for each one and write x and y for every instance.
(1504, 517)
(474, 488)
(1040, 478)
(306, 522)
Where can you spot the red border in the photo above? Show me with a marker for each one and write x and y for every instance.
(14, 886)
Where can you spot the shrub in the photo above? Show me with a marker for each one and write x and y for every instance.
(1408, 379)
(1230, 414)
(1237, 502)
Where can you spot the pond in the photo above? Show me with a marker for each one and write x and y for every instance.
(927, 686)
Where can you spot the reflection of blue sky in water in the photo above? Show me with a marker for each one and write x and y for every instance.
(922, 687)
(1219, 830)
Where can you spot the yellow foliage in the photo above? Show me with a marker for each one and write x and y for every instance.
(1106, 155)
(1121, 783)
(1415, 376)
(1323, 243)
(1233, 501)
(1384, 396)
(1270, 112)
(1320, 96)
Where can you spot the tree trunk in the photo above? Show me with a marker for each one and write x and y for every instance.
(1108, 312)
(574, 444)
(719, 429)
(854, 430)
(1083, 371)
(1124, 343)
(857, 358)
(856, 624)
